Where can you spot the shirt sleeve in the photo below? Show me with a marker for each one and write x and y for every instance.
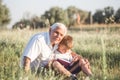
(33, 49)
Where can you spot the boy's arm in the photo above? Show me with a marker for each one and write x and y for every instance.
(75, 56)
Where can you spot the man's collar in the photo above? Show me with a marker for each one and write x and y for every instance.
(48, 39)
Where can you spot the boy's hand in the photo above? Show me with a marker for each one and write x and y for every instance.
(75, 58)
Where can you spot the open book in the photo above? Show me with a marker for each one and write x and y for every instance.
(64, 62)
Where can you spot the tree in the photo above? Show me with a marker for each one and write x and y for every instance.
(55, 14)
(109, 15)
(4, 14)
(117, 16)
(109, 11)
(99, 17)
(83, 15)
(89, 20)
(71, 11)
(75, 14)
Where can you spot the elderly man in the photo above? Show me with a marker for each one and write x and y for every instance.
(40, 46)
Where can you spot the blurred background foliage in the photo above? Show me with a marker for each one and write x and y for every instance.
(72, 16)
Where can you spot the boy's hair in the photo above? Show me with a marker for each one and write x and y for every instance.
(67, 41)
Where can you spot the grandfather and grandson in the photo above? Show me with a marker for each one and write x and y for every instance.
(40, 47)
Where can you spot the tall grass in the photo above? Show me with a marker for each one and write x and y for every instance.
(104, 59)
(101, 48)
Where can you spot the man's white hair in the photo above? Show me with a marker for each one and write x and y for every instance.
(59, 25)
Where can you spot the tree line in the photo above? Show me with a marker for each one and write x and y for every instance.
(4, 14)
(71, 16)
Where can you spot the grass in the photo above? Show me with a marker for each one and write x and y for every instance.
(101, 48)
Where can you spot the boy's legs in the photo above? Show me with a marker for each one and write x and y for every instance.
(74, 68)
(59, 67)
(68, 70)
(81, 64)
(85, 66)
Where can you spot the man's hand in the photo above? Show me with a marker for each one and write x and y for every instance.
(26, 64)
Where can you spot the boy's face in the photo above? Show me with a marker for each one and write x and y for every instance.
(63, 49)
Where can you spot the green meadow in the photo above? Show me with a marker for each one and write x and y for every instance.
(100, 46)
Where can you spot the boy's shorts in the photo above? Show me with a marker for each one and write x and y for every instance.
(74, 68)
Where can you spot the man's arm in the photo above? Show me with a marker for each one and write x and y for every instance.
(26, 63)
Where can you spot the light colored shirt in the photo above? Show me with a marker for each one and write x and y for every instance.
(63, 56)
(38, 50)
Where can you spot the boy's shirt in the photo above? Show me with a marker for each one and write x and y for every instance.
(63, 56)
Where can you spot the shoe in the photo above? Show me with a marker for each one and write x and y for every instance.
(73, 77)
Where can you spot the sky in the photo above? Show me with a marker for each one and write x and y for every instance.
(27, 8)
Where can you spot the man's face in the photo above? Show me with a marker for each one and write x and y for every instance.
(56, 35)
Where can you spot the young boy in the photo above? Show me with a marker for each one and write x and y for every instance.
(73, 62)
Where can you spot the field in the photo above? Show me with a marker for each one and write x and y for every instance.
(101, 46)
